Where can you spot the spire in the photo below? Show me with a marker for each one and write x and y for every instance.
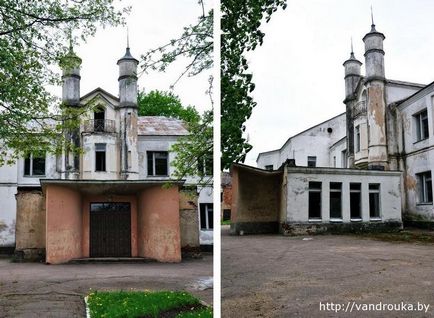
(128, 39)
(352, 50)
(372, 21)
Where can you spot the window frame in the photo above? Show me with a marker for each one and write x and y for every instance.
(373, 191)
(101, 145)
(31, 170)
(153, 152)
(423, 192)
(419, 120)
(311, 159)
(334, 189)
(207, 207)
(359, 218)
(357, 140)
(315, 187)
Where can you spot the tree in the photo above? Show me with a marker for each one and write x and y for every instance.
(195, 44)
(240, 25)
(33, 38)
(160, 103)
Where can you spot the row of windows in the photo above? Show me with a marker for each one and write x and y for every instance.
(335, 196)
(158, 163)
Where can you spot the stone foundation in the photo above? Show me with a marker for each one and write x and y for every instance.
(254, 228)
(30, 255)
(292, 229)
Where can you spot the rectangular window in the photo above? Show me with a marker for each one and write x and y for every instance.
(100, 157)
(226, 215)
(314, 200)
(205, 166)
(344, 159)
(374, 200)
(157, 163)
(421, 120)
(206, 216)
(424, 187)
(335, 200)
(269, 167)
(34, 164)
(311, 161)
(357, 139)
(355, 201)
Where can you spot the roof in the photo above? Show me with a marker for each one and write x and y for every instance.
(101, 91)
(161, 126)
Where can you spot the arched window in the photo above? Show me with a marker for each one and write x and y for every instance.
(99, 119)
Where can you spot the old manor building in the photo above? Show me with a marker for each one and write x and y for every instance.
(365, 168)
(110, 200)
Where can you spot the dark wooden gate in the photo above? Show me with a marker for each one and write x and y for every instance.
(110, 230)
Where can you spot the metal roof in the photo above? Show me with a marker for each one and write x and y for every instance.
(160, 126)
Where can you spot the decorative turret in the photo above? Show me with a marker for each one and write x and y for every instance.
(374, 54)
(352, 74)
(70, 65)
(376, 108)
(129, 167)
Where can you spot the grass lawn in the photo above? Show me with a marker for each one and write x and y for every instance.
(135, 304)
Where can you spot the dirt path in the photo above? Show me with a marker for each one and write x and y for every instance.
(276, 276)
(38, 290)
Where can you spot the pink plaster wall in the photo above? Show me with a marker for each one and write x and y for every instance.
(158, 232)
(64, 224)
(104, 198)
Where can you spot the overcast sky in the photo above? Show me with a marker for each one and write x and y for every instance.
(298, 71)
(151, 24)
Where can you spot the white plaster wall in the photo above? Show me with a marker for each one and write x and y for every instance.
(50, 172)
(315, 141)
(336, 152)
(88, 157)
(298, 193)
(397, 92)
(8, 211)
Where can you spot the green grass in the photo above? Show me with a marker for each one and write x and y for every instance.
(227, 222)
(200, 313)
(133, 304)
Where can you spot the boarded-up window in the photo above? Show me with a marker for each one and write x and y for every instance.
(314, 200)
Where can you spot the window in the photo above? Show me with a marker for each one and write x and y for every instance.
(355, 201)
(314, 200)
(357, 139)
(226, 215)
(157, 163)
(344, 158)
(421, 120)
(34, 164)
(100, 164)
(205, 166)
(311, 161)
(374, 200)
(335, 200)
(206, 216)
(424, 187)
(269, 167)
(98, 122)
(334, 161)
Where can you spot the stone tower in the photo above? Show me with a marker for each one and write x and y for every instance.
(70, 65)
(376, 108)
(352, 79)
(129, 167)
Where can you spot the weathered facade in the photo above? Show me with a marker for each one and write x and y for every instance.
(108, 200)
(387, 126)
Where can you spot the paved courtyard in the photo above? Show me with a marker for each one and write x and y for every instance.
(38, 290)
(276, 276)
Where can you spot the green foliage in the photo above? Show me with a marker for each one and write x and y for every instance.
(194, 152)
(159, 103)
(33, 35)
(240, 25)
(201, 313)
(134, 304)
